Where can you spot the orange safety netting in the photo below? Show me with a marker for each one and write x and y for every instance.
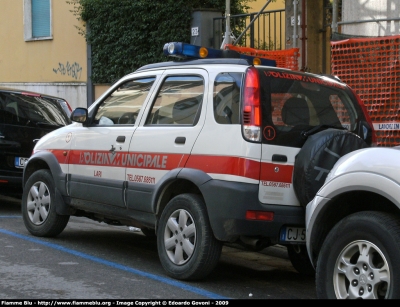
(284, 58)
(371, 66)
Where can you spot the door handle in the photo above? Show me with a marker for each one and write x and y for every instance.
(180, 140)
(279, 158)
(121, 139)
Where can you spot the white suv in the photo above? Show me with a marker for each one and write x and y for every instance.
(353, 227)
(198, 152)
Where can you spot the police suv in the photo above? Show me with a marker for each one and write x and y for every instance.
(218, 147)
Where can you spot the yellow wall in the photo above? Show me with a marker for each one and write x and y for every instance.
(257, 5)
(99, 89)
(264, 36)
(61, 59)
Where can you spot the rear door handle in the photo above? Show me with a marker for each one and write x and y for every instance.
(279, 158)
(180, 140)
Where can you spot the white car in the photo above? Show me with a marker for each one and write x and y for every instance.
(198, 152)
(353, 227)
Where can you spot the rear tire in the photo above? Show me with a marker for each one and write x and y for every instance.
(359, 258)
(148, 232)
(300, 260)
(39, 207)
(186, 244)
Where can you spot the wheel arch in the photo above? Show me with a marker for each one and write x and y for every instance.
(46, 160)
(344, 200)
(178, 181)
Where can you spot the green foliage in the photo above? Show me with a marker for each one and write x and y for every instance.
(127, 34)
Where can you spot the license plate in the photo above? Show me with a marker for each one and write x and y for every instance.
(19, 162)
(293, 234)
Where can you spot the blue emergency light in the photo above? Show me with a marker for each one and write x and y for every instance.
(184, 50)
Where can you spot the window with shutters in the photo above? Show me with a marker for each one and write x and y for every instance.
(37, 19)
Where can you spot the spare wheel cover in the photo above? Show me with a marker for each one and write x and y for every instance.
(317, 157)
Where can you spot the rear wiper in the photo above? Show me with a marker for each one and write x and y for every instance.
(319, 128)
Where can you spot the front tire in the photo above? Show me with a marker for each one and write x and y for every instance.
(359, 258)
(186, 244)
(39, 208)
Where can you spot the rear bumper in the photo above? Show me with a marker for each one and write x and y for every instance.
(10, 182)
(11, 179)
(227, 212)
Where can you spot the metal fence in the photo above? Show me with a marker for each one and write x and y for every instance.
(266, 33)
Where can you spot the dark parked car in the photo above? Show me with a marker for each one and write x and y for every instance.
(24, 118)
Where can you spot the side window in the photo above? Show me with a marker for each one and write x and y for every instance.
(37, 19)
(227, 97)
(122, 106)
(3, 116)
(9, 110)
(178, 102)
(12, 113)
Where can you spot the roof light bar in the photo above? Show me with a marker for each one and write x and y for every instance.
(184, 50)
(258, 61)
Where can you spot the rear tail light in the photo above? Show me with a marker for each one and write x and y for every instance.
(251, 113)
(259, 215)
(69, 107)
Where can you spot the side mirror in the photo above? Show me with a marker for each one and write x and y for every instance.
(79, 115)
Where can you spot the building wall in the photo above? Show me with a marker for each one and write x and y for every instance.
(268, 27)
(54, 66)
(257, 5)
(370, 10)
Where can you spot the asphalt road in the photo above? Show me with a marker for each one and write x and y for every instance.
(91, 260)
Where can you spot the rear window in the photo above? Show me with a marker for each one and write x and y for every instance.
(293, 103)
(27, 110)
(64, 105)
(226, 98)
